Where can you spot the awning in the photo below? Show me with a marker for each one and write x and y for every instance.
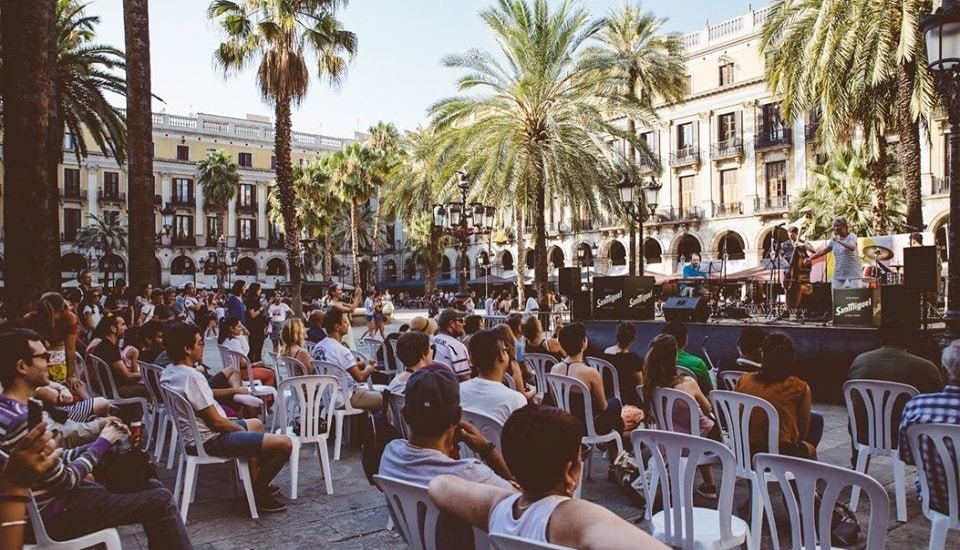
(490, 280)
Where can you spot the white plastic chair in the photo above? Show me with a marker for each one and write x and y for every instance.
(509, 542)
(877, 399)
(734, 410)
(561, 387)
(240, 361)
(686, 372)
(397, 401)
(801, 477)
(412, 512)
(674, 457)
(606, 368)
(540, 364)
(185, 486)
(728, 379)
(488, 427)
(309, 345)
(391, 360)
(288, 367)
(162, 419)
(314, 397)
(108, 387)
(108, 537)
(343, 406)
(944, 440)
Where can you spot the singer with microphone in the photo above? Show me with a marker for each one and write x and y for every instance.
(846, 253)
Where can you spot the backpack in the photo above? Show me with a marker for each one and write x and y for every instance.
(376, 438)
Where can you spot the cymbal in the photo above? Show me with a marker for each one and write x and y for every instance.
(877, 252)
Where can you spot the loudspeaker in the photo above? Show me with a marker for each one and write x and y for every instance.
(920, 270)
(569, 280)
(694, 309)
(896, 302)
(580, 309)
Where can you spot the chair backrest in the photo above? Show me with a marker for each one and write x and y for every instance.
(674, 459)
(728, 379)
(290, 366)
(413, 513)
(540, 364)
(799, 478)
(359, 356)
(943, 442)
(391, 360)
(104, 376)
(151, 379)
(397, 402)
(665, 411)
(509, 542)
(83, 372)
(237, 360)
(309, 345)
(562, 387)
(606, 370)
(370, 346)
(488, 427)
(876, 398)
(343, 379)
(509, 381)
(314, 398)
(735, 410)
(182, 412)
(686, 372)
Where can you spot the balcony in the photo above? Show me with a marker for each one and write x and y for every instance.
(73, 195)
(248, 243)
(182, 240)
(275, 243)
(724, 209)
(250, 207)
(691, 213)
(586, 224)
(941, 186)
(111, 197)
(684, 157)
(779, 203)
(731, 148)
(781, 137)
(183, 201)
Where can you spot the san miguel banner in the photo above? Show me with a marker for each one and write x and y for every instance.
(623, 298)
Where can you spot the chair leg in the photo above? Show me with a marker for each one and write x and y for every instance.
(756, 516)
(863, 455)
(190, 474)
(294, 466)
(243, 470)
(336, 449)
(938, 533)
(175, 433)
(161, 438)
(324, 455)
(589, 463)
(179, 484)
(900, 488)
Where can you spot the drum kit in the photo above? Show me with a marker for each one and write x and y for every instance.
(878, 274)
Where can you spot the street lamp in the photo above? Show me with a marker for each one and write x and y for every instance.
(375, 263)
(942, 31)
(166, 220)
(462, 221)
(223, 261)
(305, 241)
(633, 204)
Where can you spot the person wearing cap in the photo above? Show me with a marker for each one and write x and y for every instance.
(424, 325)
(331, 350)
(447, 347)
(413, 350)
(486, 393)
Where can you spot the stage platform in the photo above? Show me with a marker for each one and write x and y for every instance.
(824, 353)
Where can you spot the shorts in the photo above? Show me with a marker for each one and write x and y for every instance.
(378, 317)
(235, 444)
(368, 318)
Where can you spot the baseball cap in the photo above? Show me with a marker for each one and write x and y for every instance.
(433, 390)
(422, 324)
(448, 315)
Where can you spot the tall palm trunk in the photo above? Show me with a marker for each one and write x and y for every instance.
(378, 218)
(877, 171)
(432, 263)
(521, 260)
(32, 141)
(328, 252)
(632, 253)
(355, 241)
(136, 24)
(540, 245)
(291, 235)
(908, 129)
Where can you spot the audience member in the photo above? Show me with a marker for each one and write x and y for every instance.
(60, 329)
(414, 352)
(514, 320)
(315, 331)
(336, 323)
(129, 381)
(151, 343)
(535, 341)
(629, 365)
(423, 324)
(748, 349)
(523, 378)
(688, 360)
(231, 336)
(486, 393)
(292, 337)
(334, 300)
(447, 347)
(30, 460)
(278, 311)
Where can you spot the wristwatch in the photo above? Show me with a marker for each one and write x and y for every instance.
(485, 451)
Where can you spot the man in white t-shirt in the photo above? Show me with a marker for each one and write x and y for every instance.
(190, 303)
(331, 350)
(278, 312)
(447, 347)
(531, 307)
(486, 393)
(219, 435)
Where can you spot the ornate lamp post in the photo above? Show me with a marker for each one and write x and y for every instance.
(374, 265)
(223, 260)
(305, 242)
(462, 221)
(93, 256)
(942, 31)
(633, 203)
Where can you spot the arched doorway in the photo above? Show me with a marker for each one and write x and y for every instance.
(506, 260)
(482, 263)
(584, 255)
(617, 253)
(940, 238)
(777, 233)
(557, 259)
(687, 245)
(276, 268)
(409, 269)
(445, 272)
(71, 264)
(531, 259)
(732, 244)
(183, 265)
(157, 271)
(246, 267)
(652, 251)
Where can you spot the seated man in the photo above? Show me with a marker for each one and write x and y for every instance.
(72, 506)
(129, 380)
(336, 323)
(151, 343)
(692, 271)
(486, 393)
(447, 347)
(219, 435)
(748, 347)
(413, 351)
(941, 407)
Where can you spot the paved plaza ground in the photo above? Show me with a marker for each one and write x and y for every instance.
(355, 516)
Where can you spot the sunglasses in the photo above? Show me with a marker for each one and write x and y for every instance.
(45, 355)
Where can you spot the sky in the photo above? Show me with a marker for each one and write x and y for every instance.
(395, 76)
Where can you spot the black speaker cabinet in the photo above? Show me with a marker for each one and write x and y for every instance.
(569, 280)
(580, 309)
(623, 298)
(920, 270)
(686, 310)
(898, 303)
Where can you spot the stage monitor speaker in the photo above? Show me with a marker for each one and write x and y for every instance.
(686, 310)
(580, 306)
(920, 269)
(569, 280)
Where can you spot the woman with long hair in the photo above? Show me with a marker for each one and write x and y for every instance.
(231, 332)
(60, 329)
(537, 341)
(520, 376)
(660, 371)
(292, 337)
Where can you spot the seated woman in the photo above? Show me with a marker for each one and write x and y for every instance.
(292, 336)
(660, 371)
(231, 331)
(541, 446)
(629, 365)
(537, 341)
(606, 411)
(800, 430)
(522, 377)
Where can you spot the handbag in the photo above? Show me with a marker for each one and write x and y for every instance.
(125, 472)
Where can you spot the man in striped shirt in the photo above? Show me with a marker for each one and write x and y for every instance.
(70, 505)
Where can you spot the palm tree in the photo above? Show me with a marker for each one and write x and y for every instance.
(32, 143)
(843, 187)
(870, 78)
(353, 171)
(539, 133)
(281, 35)
(107, 233)
(219, 178)
(384, 139)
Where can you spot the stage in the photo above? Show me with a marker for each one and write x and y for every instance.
(824, 353)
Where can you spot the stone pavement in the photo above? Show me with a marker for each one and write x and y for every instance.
(355, 516)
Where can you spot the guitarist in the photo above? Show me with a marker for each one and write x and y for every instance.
(793, 251)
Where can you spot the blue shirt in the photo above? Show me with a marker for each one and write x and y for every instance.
(690, 272)
(236, 309)
(930, 408)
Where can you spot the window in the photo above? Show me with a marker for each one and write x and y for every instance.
(273, 163)
(688, 84)
(686, 193)
(183, 152)
(246, 230)
(728, 186)
(771, 123)
(650, 140)
(245, 160)
(247, 196)
(726, 127)
(183, 191)
(685, 136)
(111, 217)
(776, 179)
(275, 237)
(69, 142)
(726, 74)
(111, 184)
(71, 223)
(71, 182)
(182, 229)
(213, 228)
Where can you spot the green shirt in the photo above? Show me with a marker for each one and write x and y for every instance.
(699, 368)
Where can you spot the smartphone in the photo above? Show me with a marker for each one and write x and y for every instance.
(34, 412)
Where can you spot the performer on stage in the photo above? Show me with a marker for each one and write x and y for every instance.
(846, 252)
(788, 247)
(692, 271)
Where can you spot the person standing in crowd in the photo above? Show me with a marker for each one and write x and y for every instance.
(368, 315)
(193, 307)
(531, 307)
(60, 330)
(118, 301)
(847, 270)
(278, 312)
(447, 347)
(234, 306)
(256, 322)
(90, 312)
(85, 282)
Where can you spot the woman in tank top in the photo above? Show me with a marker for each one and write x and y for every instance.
(541, 446)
